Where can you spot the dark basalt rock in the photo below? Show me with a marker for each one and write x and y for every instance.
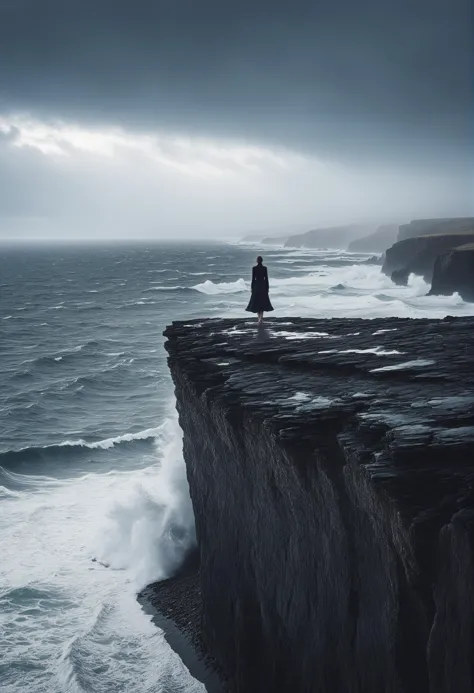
(331, 470)
(454, 272)
(376, 242)
(418, 255)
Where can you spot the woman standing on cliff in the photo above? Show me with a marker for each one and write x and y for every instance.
(259, 301)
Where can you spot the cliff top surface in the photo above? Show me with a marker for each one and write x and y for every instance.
(401, 391)
(467, 246)
(419, 227)
(455, 237)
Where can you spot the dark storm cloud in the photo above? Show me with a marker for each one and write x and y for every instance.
(379, 78)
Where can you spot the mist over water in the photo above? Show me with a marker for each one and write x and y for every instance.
(93, 494)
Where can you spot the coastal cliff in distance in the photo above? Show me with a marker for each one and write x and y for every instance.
(376, 242)
(331, 237)
(427, 227)
(330, 468)
(418, 255)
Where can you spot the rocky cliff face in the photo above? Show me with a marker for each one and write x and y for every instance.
(454, 271)
(331, 470)
(418, 255)
(426, 227)
(376, 242)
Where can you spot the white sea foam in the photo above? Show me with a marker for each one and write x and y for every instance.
(110, 442)
(79, 618)
(150, 525)
(212, 289)
(368, 293)
(105, 444)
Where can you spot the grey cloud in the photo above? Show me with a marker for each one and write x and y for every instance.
(388, 80)
(89, 195)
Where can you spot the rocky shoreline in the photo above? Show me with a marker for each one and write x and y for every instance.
(176, 608)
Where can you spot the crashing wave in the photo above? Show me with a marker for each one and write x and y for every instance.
(78, 445)
(208, 287)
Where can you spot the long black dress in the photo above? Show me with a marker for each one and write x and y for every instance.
(259, 300)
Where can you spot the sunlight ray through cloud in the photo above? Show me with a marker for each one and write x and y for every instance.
(193, 156)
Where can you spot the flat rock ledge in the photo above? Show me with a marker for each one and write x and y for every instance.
(331, 470)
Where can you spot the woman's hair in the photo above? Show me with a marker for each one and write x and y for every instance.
(259, 259)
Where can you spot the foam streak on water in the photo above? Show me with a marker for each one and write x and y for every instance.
(94, 501)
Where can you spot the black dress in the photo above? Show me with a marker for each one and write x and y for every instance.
(259, 300)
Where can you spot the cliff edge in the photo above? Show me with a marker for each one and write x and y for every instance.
(330, 466)
(427, 227)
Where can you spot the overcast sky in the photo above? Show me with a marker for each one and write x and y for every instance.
(217, 117)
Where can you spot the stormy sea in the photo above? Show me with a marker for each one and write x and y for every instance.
(93, 495)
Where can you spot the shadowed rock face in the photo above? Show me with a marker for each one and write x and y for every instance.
(418, 255)
(454, 271)
(331, 470)
(376, 242)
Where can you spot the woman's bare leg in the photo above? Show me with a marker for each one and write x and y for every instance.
(260, 317)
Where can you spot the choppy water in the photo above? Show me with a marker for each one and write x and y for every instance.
(93, 495)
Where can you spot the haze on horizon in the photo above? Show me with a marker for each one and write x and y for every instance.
(177, 118)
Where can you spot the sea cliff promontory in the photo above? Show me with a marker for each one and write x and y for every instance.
(418, 255)
(330, 466)
(330, 237)
(427, 227)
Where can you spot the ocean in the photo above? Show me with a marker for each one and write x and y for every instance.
(93, 495)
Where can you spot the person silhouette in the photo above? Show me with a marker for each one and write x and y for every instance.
(259, 300)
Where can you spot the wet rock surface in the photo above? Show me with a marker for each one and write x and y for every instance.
(418, 255)
(331, 469)
(454, 272)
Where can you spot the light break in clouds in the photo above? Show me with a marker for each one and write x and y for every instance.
(64, 180)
